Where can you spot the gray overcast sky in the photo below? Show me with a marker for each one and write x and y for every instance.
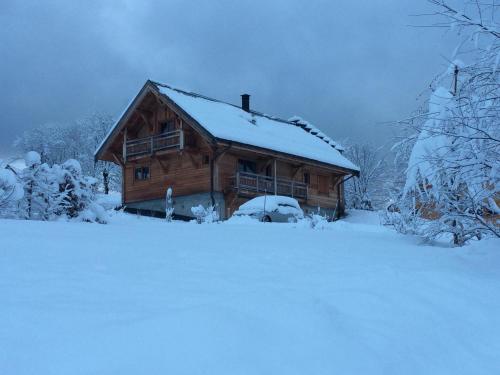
(344, 65)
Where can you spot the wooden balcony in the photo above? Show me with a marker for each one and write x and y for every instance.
(150, 145)
(255, 184)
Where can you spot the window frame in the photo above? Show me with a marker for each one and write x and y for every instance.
(246, 164)
(168, 123)
(307, 178)
(142, 168)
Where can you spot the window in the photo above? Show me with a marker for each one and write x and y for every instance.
(269, 171)
(205, 159)
(307, 178)
(141, 173)
(323, 184)
(167, 126)
(247, 166)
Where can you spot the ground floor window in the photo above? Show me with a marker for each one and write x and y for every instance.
(141, 173)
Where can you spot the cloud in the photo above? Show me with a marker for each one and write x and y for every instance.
(344, 65)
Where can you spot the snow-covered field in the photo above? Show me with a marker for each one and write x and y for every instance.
(141, 296)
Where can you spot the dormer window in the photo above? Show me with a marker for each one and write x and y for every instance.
(167, 126)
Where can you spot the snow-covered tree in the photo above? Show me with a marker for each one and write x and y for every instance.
(96, 127)
(452, 184)
(77, 191)
(57, 143)
(40, 189)
(366, 191)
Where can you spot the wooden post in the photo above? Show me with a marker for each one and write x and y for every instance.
(125, 146)
(275, 178)
(181, 139)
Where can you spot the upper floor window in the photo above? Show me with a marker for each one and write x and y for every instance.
(167, 126)
(141, 173)
(307, 178)
(269, 171)
(247, 166)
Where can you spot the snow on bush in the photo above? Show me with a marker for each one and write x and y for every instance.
(41, 191)
(94, 213)
(314, 221)
(11, 191)
(205, 215)
(46, 192)
(169, 205)
(318, 221)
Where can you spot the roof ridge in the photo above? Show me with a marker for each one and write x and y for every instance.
(297, 120)
(196, 95)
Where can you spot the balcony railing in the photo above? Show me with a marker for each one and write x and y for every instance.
(245, 182)
(150, 145)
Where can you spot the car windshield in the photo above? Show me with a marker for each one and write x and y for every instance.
(286, 205)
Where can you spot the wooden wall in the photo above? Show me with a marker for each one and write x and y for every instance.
(185, 173)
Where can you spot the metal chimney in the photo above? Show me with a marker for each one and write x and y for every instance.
(245, 102)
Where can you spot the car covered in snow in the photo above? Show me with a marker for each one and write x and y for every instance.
(271, 208)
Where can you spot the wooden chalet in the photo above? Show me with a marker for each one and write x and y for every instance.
(212, 152)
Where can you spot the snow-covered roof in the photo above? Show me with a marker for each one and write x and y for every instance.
(229, 122)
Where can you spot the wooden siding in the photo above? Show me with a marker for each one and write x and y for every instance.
(184, 172)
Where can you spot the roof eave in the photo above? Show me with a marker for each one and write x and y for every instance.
(353, 172)
(122, 120)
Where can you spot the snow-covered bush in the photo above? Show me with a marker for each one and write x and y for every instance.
(318, 221)
(11, 191)
(211, 215)
(77, 193)
(48, 192)
(41, 191)
(205, 215)
(169, 205)
(94, 212)
(313, 221)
